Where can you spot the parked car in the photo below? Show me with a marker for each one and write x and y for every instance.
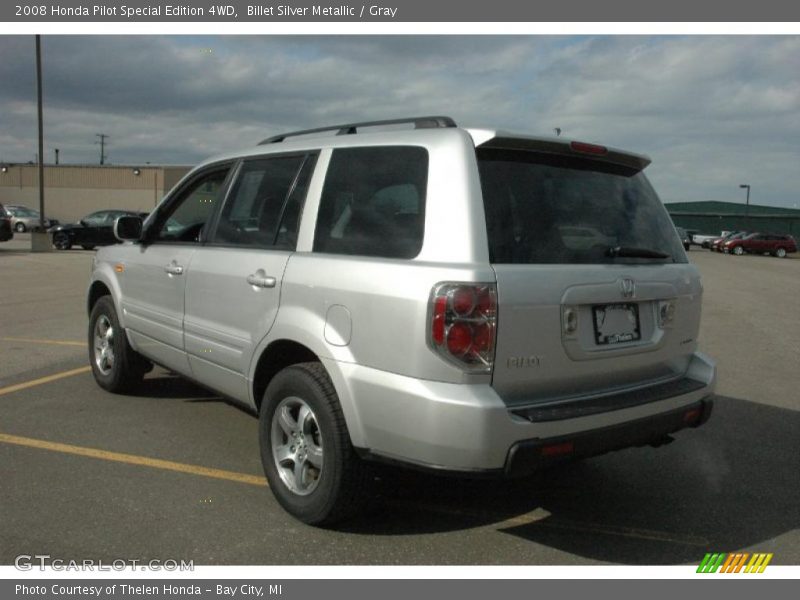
(399, 295)
(719, 244)
(691, 233)
(686, 239)
(95, 229)
(703, 239)
(762, 243)
(6, 231)
(24, 218)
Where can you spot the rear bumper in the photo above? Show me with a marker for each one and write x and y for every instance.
(468, 428)
(529, 455)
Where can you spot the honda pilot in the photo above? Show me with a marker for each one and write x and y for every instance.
(463, 300)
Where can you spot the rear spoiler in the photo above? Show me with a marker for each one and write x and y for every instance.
(561, 147)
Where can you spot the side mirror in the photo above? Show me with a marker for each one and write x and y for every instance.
(128, 228)
(84, 222)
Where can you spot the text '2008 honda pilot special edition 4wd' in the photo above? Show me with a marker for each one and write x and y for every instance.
(466, 300)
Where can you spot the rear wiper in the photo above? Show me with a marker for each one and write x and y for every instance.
(630, 252)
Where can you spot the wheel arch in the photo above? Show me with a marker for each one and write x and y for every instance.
(278, 355)
(104, 283)
(97, 290)
(285, 352)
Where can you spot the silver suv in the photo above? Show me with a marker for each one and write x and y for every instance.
(412, 292)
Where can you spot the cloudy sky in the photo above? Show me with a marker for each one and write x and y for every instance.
(712, 111)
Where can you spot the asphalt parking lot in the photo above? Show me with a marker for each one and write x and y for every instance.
(174, 472)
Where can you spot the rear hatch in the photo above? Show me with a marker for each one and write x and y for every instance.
(595, 293)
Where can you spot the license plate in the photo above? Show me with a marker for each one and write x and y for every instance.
(616, 323)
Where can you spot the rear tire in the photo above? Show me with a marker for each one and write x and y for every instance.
(116, 366)
(20, 227)
(312, 468)
(780, 252)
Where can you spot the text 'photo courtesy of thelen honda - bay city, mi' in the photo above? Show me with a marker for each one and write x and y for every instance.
(462, 300)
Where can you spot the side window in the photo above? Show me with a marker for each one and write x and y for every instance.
(263, 207)
(185, 218)
(373, 202)
(96, 219)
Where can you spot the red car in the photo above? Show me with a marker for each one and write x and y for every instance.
(761, 243)
(719, 243)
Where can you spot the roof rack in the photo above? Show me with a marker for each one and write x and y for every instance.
(352, 128)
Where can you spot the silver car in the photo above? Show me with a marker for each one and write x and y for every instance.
(23, 218)
(412, 295)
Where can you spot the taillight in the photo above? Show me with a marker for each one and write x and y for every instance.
(463, 322)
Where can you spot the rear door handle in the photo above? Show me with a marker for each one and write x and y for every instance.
(174, 269)
(262, 281)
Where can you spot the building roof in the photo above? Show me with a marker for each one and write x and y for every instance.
(714, 207)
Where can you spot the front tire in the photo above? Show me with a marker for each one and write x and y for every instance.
(780, 252)
(115, 365)
(310, 464)
(61, 241)
(20, 227)
(738, 251)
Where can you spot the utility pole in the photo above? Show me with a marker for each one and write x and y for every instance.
(102, 143)
(56, 155)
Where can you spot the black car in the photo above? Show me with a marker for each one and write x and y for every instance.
(6, 233)
(96, 229)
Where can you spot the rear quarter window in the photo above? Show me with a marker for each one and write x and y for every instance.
(373, 202)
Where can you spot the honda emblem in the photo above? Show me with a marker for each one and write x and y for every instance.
(627, 287)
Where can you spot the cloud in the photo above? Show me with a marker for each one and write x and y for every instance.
(710, 110)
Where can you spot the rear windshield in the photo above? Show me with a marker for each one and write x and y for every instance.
(551, 209)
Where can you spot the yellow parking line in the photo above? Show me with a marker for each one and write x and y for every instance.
(38, 341)
(47, 379)
(133, 459)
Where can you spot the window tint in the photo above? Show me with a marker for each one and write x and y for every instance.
(373, 202)
(551, 209)
(184, 219)
(263, 207)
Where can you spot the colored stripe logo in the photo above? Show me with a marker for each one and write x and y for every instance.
(734, 563)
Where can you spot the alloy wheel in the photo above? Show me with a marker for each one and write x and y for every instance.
(104, 344)
(297, 445)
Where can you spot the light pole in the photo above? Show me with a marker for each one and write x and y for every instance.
(747, 205)
(40, 158)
